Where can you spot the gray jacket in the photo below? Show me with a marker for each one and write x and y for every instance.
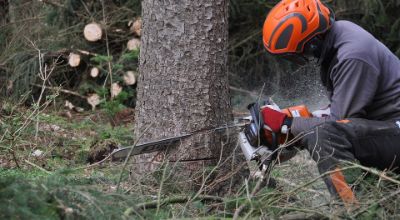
(362, 77)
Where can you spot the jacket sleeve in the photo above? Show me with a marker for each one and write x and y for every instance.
(354, 85)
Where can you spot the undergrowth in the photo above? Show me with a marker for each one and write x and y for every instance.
(61, 184)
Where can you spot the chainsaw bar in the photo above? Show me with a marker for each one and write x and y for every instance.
(149, 147)
(159, 145)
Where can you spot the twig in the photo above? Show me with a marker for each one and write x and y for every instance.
(375, 172)
(107, 47)
(319, 177)
(294, 185)
(250, 197)
(320, 215)
(129, 155)
(38, 167)
(54, 4)
(61, 90)
(22, 21)
(160, 189)
(375, 203)
(174, 200)
(14, 156)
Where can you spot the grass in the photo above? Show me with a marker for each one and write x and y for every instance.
(59, 184)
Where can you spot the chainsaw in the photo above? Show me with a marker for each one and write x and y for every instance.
(257, 142)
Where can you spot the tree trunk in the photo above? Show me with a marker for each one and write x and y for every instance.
(183, 84)
(3, 12)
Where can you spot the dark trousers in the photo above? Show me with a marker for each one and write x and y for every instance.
(372, 143)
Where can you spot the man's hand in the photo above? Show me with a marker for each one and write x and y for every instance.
(323, 112)
(275, 120)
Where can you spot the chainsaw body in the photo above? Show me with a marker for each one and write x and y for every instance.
(260, 144)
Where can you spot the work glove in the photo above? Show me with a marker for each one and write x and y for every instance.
(276, 121)
(323, 112)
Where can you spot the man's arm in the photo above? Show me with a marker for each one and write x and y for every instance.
(354, 86)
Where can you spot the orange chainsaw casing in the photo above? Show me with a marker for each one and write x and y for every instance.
(297, 111)
(292, 112)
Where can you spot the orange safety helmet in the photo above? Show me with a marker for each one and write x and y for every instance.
(293, 23)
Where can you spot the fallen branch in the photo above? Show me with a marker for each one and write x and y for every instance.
(60, 90)
(381, 174)
(376, 203)
(318, 178)
(54, 4)
(260, 183)
(129, 155)
(174, 200)
(38, 167)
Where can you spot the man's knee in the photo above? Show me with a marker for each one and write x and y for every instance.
(329, 140)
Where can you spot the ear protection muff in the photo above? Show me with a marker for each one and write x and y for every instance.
(313, 48)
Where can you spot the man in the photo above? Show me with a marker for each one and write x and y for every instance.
(362, 77)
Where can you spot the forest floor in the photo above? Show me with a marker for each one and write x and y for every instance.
(45, 173)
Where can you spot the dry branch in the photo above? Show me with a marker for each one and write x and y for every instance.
(54, 4)
(174, 200)
(60, 90)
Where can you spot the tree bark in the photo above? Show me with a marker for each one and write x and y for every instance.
(183, 86)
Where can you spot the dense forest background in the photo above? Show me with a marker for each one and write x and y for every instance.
(53, 29)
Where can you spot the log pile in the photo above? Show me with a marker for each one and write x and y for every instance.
(92, 46)
(96, 65)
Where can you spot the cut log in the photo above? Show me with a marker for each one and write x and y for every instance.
(136, 27)
(93, 32)
(74, 59)
(115, 90)
(129, 78)
(94, 72)
(133, 44)
(93, 100)
(69, 105)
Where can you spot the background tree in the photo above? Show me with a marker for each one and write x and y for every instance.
(183, 85)
(3, 12)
